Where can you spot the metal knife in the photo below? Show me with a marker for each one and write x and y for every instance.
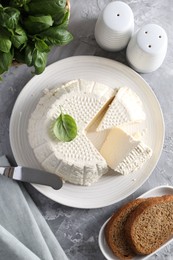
(30, 175)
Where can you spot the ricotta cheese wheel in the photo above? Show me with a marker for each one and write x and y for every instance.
(77, 161)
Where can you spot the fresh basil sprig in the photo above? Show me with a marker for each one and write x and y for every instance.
(28, 30)
(65, 128)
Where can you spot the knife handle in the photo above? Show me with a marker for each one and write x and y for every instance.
(7, 171)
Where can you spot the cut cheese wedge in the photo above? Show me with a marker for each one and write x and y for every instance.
(77, 161)
(126, 108)
(123, 153)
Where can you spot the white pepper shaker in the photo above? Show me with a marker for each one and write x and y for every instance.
(115, 26)
(147, 48)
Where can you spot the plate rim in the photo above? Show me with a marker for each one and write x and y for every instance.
(116, 65)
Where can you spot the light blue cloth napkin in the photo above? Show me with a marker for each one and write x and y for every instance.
(24, 233)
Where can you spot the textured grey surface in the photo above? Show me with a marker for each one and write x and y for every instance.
(77, 230)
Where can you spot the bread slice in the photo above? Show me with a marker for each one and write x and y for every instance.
(150, 225)
(114, 231)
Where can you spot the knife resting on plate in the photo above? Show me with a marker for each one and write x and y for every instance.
(30, 175)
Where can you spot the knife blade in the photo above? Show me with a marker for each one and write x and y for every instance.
(30, 175)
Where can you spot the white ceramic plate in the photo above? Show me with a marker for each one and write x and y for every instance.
(158, 191)
(110, 188)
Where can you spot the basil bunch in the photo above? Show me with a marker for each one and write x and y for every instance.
(28, 30)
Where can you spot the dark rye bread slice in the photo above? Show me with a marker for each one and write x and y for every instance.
(114, 231)
(150, 225)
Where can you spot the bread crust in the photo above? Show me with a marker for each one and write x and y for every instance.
(115, 234)
(150, 225)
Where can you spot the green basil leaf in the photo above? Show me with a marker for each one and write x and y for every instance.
(56, 36)
(62, 20)
(28, 54)
(19, 37)
(5, 42)
(9, 17)
(41, 45)
(37, 24)
(65, 128)
(46, 7)
(5, 61)
(39, 60)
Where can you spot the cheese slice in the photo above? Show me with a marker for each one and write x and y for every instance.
(123, 153)
(77, 161)
(125, 109)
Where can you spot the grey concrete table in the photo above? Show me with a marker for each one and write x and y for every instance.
(77, 229)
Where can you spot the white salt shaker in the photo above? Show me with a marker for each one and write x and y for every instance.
(147, 48)
(115, 26)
